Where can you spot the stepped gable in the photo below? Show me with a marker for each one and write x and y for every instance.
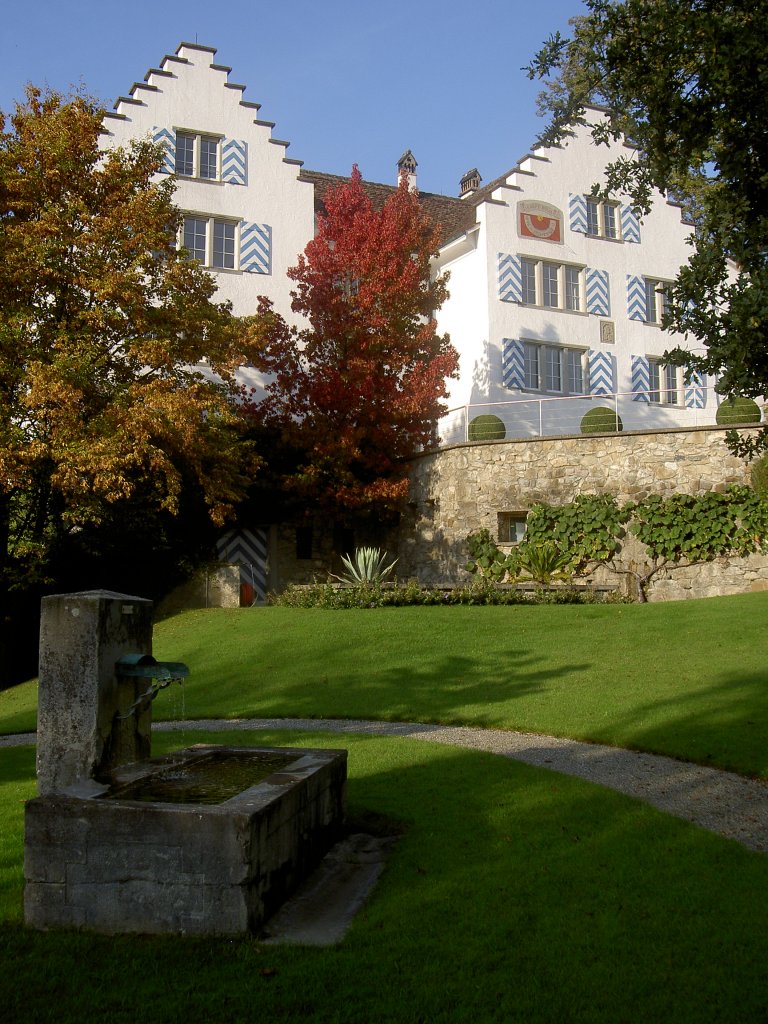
(170, 66)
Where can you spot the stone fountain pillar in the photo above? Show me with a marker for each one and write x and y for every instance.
(83, 726)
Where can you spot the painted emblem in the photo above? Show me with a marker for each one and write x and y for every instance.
(607, 332)
(539, 220)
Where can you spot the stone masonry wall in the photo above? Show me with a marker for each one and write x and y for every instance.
(464, 488)
(216, 585)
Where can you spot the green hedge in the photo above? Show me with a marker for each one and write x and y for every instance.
(738, 410)
(759, 477)
(600, 420)
(479, 592)
(487, 428)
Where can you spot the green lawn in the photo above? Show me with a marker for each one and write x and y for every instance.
(514, 894)
(688, 679)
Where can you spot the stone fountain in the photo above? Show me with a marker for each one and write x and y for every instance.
(207, 840)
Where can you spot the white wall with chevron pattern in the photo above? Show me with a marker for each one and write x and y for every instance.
(247, 549)
(252, 185)
(546, 262)
(568, 274)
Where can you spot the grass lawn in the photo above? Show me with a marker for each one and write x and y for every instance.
(686, 678)
(514, 894)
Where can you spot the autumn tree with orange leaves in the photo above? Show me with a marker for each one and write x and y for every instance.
(102, 321)
(360, 389)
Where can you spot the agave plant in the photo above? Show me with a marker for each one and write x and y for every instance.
(366, 567)
(545, 562)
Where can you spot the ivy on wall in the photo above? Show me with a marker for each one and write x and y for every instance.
(676, 532)
(698, 529)
(590, 528)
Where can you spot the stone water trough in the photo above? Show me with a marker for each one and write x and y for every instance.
(208, 840)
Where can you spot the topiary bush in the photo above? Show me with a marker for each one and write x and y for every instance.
(759, 477)
(738, 410)
(600, 420)
(487, 428)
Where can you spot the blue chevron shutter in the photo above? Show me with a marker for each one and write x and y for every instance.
(248, 549)
(255, 248)
(641, 379)
(577, 207)
(512, 363)
(510, 278)
(167, 139)
(695, 392)
(234, 166)
(630, 225)
(636, 308)
(598, 292)
(601, 375)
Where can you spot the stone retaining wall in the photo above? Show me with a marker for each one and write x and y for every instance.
(464, 488)
(216, 585)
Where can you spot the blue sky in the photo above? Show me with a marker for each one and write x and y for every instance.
(345, 82)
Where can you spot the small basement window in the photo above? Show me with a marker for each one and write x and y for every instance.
(511, 527)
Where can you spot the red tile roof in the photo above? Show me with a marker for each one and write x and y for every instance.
(455, 216)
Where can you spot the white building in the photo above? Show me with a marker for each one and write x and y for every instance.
(247, 211)
(555, 294)
(555, 298)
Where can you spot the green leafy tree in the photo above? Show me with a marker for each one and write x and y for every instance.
(102, 321)
(684, 81)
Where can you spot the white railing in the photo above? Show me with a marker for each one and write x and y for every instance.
(553, 417)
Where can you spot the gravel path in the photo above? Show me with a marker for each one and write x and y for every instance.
(721, 802)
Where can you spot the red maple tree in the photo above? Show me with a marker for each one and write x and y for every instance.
(360, 389)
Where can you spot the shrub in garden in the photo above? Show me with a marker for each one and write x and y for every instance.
(367, 566)
(759, 477)
(480, 591)
(738, 410)
(600, 420)
(488, 561)
(487, 428)
(545, 563)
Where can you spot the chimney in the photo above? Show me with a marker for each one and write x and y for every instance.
(469, 183)
(407, 165)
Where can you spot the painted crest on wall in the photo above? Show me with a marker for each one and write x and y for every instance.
(539, 220)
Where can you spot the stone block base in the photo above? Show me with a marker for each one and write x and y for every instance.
(114, 865)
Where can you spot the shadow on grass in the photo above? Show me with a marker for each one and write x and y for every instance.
(451, 687)
(515, 895)
(723, 724)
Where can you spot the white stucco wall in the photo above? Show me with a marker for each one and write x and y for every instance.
(551, 176)
(465, 317)
(190, 92)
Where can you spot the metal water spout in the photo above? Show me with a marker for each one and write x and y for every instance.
(144, 666)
